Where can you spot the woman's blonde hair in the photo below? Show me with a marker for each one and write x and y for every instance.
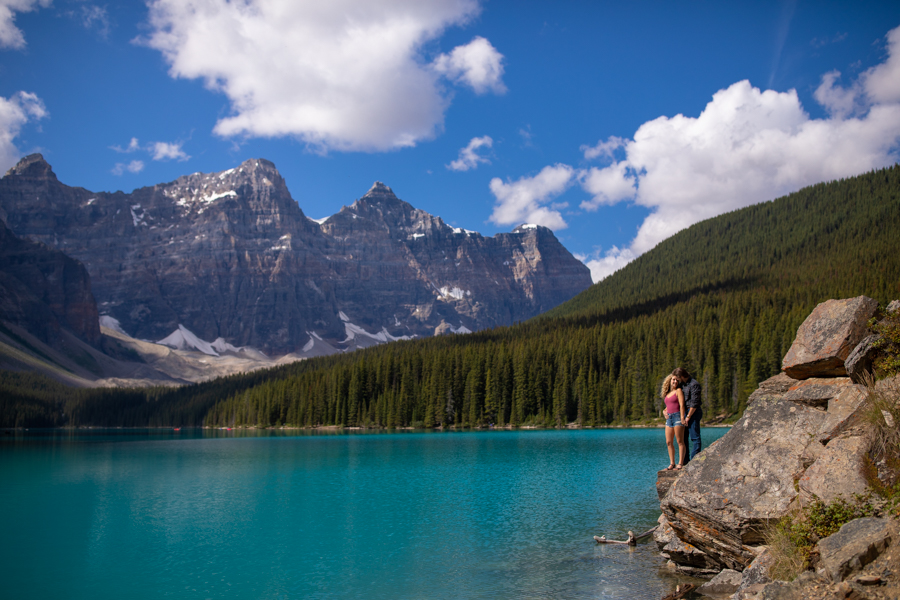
(667, 386)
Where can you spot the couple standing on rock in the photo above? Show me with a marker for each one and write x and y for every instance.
(681, 394)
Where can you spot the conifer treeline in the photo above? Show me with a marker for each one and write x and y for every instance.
(723, 298)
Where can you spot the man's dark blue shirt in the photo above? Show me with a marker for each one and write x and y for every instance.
(691, 391)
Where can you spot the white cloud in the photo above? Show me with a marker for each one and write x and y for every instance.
(157, 151)
(338, 75)
(167, 151)
(469, 157)
(748, 146)
(607, 186)
(524, 200)
(612, 260)
(95, 17)
(839, 102)
(605, 149)
(882, 82)
(477, 64)
(133, 146)
(135, 166)
(10, 35)
(15, 112)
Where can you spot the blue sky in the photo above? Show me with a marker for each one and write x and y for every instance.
(615, 124)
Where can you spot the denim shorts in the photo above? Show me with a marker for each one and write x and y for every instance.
(673, 420)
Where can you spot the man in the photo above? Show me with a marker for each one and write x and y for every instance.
(691, 390)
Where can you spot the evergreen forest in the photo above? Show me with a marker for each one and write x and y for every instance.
(722, 299)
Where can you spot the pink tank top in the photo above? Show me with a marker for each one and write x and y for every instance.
(672, 404)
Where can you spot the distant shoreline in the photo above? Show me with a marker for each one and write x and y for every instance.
(340, 428)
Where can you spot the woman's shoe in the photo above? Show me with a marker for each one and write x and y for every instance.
(671, 467)
(679, 466)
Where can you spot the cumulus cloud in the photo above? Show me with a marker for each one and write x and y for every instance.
(526, 200)
(15, 112)
(341, 75)
(469, 157)
(135, 166)
(603, 149)
(881, 83)
(168, 151)
(133, 146)
(607, 186)
(605, 264)
(477, 64)
(156, 150)
(745, 147)
(10, 35)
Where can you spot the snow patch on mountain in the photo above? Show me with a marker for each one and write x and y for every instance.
(111, 323)
(183, 339)
(355, 332)
(213, 197)
(137, 219)
(454, 292)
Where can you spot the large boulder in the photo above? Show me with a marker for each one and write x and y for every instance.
(726, 582)
(747, 478)
(827, 336)
(845, 412)
(855, 545)
(838, 471)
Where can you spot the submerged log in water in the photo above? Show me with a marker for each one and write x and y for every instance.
(631, 541)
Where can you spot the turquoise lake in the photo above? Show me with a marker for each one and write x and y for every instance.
(284, 515)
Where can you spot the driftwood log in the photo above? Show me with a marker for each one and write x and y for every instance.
(631, 541)
(680, 591)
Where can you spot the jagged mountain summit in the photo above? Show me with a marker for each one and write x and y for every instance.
(231, 255)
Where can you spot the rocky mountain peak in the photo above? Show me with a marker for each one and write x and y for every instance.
(379, 191)
(380, 205)
(33, 166)
(530, 227)
(231, 255)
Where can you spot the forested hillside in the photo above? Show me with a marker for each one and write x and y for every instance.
(723, 298)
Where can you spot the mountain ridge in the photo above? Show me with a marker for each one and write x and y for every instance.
(232, 255)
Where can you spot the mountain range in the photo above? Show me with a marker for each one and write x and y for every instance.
(226, 261)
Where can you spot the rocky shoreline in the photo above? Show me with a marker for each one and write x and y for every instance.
(803, 438)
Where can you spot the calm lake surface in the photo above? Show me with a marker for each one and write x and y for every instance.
(286, 515)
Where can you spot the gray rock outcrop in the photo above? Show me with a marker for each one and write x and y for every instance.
(838, 471)
(726, 581)
(816, 391)
(855, 545)
(827, 336)
(860, 360)
(232, 255)
(688, 558)
(43, 291)
(734, 487)
(802, 437)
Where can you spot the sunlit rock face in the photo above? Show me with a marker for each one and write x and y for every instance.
(231, 255)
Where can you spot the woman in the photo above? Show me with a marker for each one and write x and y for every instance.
(674, 400)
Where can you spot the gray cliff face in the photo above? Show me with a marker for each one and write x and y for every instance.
(42, 290)
(232, 255)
